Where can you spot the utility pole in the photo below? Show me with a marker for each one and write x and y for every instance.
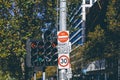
(63, 15)
(64, 46)
(62, 72)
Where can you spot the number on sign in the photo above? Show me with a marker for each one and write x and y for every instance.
(63, 61)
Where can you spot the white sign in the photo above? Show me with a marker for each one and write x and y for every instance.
(63, 61)
(64, 48)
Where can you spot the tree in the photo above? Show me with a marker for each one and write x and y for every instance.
(103, 39)
(113, 28)
(20, 20)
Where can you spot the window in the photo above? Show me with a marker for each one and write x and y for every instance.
(87, 10)
(93, 1)
(87, 1)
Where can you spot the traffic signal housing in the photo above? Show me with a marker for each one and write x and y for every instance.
(50, 47)
(35, 53)
(47, 35)
(54, 53)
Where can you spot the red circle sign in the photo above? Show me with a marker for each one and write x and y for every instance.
(63, 36)
(63, 61)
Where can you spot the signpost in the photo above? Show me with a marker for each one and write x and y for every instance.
(63, 61)
(64, 46)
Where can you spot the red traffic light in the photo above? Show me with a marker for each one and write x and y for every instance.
(33, 45)
(54, 44)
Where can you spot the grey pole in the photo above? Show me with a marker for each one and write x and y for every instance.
(62, 72)
(63, 15)
(43, 75)
(34, 75)
(57, 21)
(57, 74)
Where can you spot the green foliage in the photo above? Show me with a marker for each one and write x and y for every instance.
(104, 42)
(97, 35)
(113, 28)
(51, 71)
(20, 20)
(11, 66)
(113, 16)
(94, 47)
(5, 76)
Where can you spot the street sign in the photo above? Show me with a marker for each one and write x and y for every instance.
(69, 73)
(63, 61)
(63, 36)
(64, 48)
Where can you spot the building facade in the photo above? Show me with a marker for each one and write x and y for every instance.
(109, 67)
(77, 21)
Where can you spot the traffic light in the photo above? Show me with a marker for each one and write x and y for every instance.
(37, 53)
(47, 46)
(50, 48)
(33, 52)
(51, 54)
(40, 52)
(54, 53)
(47, 35)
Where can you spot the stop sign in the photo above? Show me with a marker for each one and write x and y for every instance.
(63, 36)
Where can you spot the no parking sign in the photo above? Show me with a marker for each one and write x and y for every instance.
(63, 61)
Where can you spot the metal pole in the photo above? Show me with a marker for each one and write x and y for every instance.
(57, 74)
(62, 15)
(43, 72)
(34, 75)
(57, 21)
(43, 75)
(62, 72)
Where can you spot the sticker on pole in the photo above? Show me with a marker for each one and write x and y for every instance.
(63, 61)
(63, 36)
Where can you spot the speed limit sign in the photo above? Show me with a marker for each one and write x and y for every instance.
(63, 61)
